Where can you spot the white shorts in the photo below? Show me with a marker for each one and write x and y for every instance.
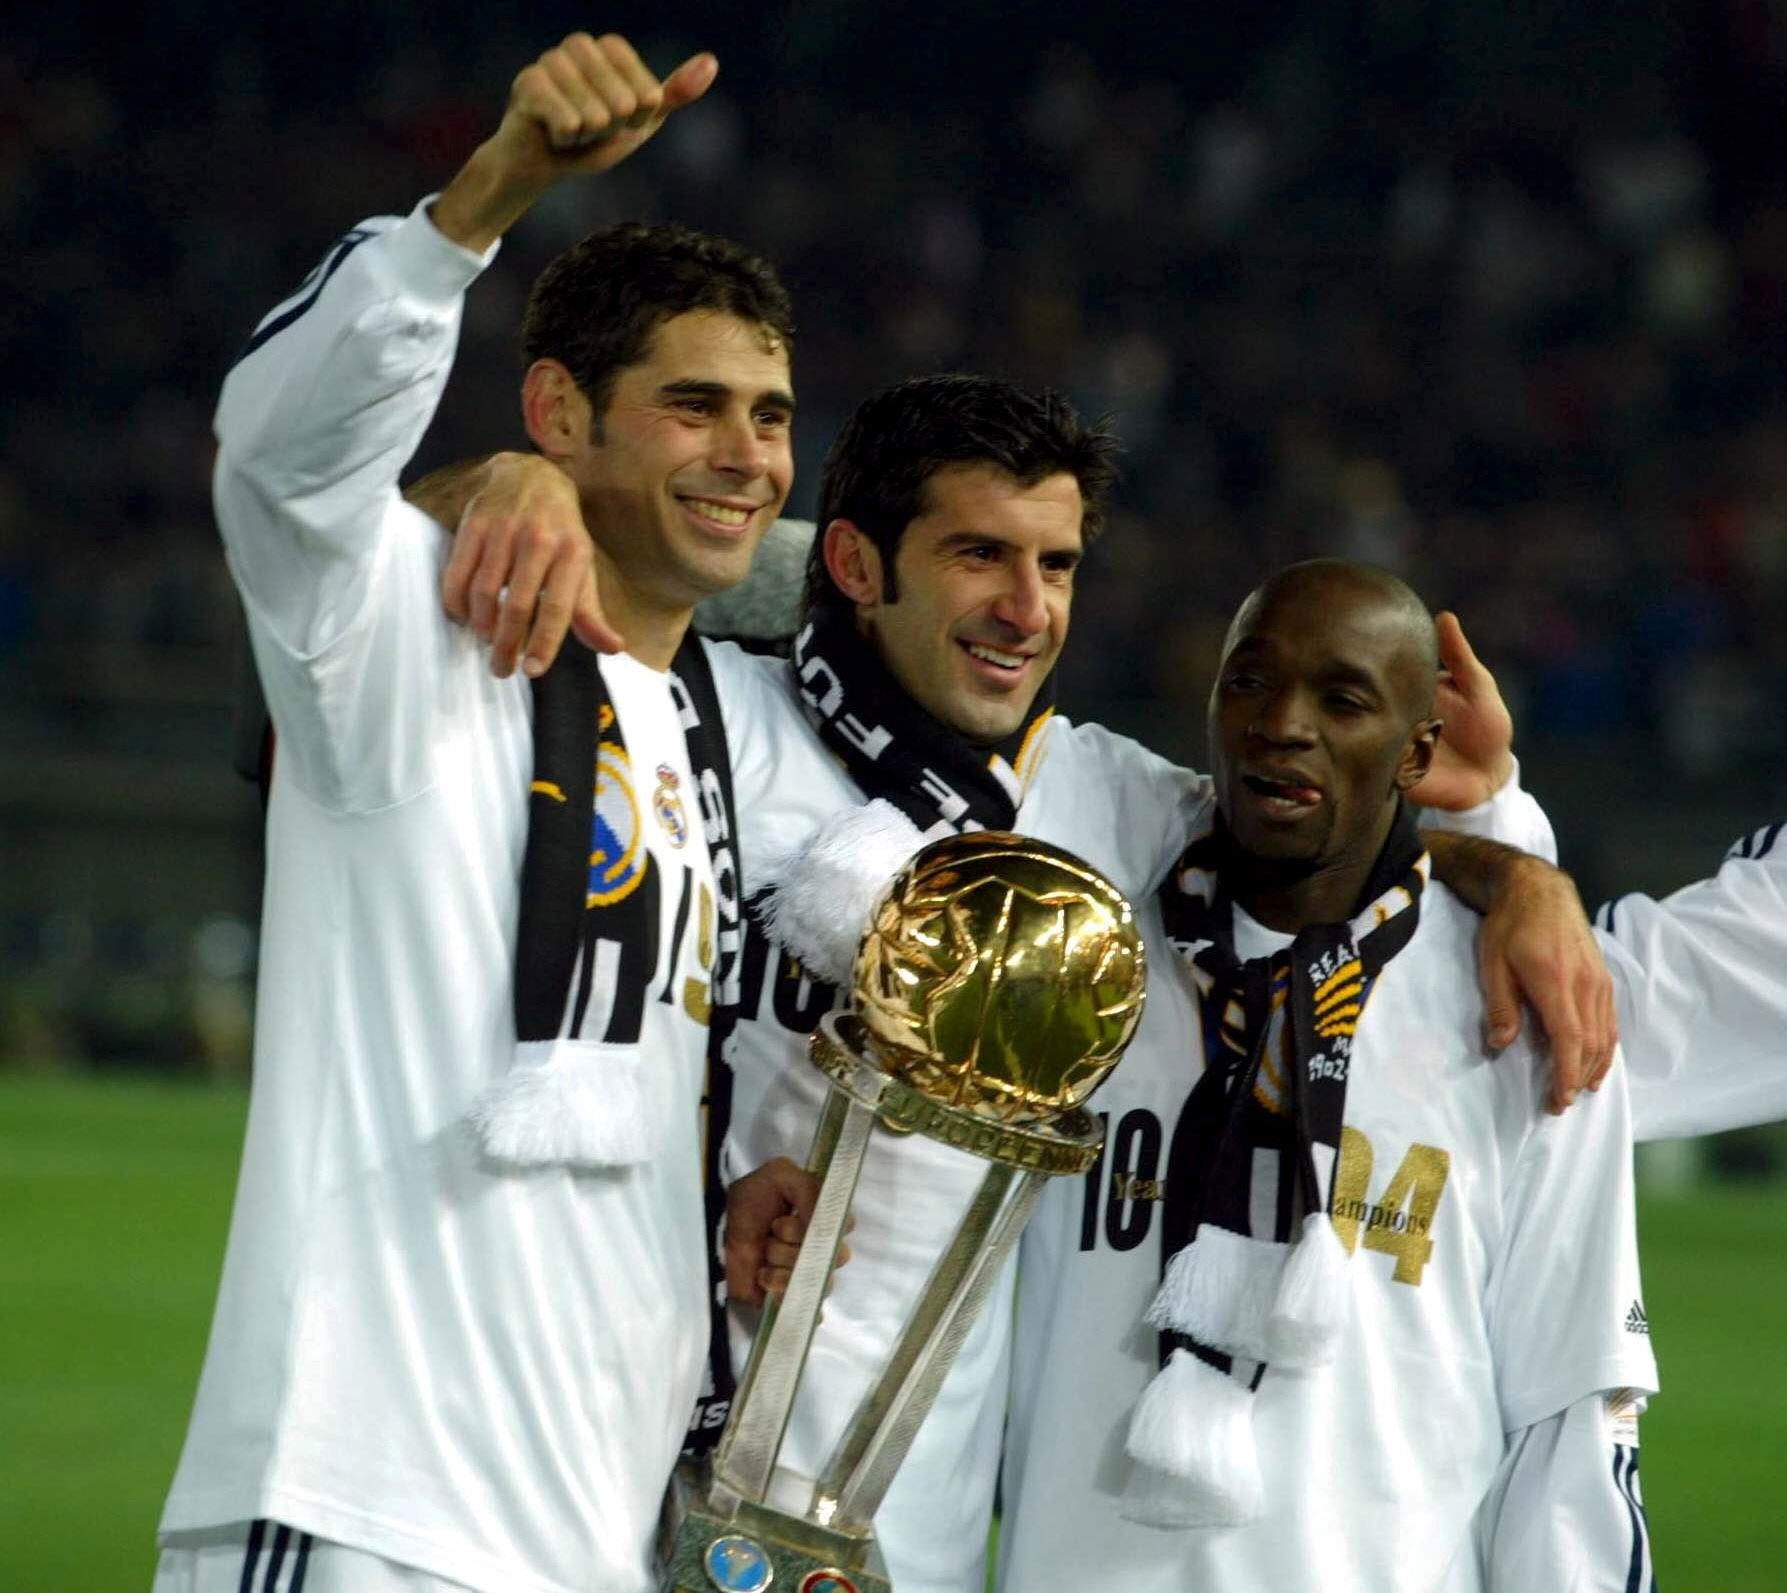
(264, 1557)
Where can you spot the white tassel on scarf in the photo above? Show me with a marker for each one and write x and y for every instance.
(1314, 1300)
(822, 891)
(572, 1103)
(1191, 1437)
(1220, 1290)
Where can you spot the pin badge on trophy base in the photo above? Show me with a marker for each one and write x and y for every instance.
(737, 1564)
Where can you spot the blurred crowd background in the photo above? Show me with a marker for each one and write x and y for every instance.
(1493, 295)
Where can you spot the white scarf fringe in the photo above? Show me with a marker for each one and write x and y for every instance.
(822, 891)
(567, 1103)
(1191, 1437)
(1314, 1300)
(1220, 1289)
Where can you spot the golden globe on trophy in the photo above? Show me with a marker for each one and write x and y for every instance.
(998, 983)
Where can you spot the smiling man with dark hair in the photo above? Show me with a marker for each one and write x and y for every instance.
(882, 471)
(463, 1327)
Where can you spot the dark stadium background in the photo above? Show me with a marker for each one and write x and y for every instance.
(1492, 294)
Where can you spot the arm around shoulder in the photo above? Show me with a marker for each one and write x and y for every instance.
(1701, 979)
(337, 384)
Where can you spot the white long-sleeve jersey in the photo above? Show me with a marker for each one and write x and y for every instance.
(1701, 978)
(1495, 1291)
(483, 1374)
(1124, 810)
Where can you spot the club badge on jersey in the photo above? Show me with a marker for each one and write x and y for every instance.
(617, 858)
(667, 805)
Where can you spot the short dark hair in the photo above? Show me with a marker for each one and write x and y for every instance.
(596, 306)
(878, 472)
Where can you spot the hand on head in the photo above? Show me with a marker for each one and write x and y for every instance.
(1475, 756)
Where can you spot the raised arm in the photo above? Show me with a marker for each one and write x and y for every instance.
(320, 414)
(583, 107)
(338, 383)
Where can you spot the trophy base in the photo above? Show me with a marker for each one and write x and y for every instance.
(756, 1549)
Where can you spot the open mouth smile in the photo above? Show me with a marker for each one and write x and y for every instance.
(720, 516)
(996, 663)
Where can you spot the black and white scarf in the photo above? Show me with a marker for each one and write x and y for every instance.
(895, 750)
(922, 780)
(574, 1096)
(586, 950)
(1253, 1273)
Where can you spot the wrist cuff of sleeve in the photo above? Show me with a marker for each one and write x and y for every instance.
(1483, 818)
(429, 264)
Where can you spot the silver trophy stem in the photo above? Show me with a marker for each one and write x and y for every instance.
(745, 1458)
(882, 1430)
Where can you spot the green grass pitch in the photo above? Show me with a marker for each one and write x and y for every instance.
(114, 1200)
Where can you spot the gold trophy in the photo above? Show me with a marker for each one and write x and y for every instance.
(997, 985)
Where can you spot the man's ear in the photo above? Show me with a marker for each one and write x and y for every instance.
(556, 412)
(1417, 756)
(853, 562)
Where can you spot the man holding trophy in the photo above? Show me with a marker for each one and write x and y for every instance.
(946, 587)
(955, 510)
(956, 513)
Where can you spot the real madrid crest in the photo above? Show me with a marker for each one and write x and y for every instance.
(667, 803)
(616, 859)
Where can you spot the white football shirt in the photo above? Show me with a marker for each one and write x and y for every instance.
(1495, 1280)
(482, 1373)
(1100, 795)
(1126, 811)
(1701, 978)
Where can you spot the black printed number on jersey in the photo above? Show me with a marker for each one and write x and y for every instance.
(1124, 1185)
(619, 999)
(796, 1000)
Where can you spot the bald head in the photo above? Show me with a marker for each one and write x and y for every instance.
(1379, 609)
(1320, 719)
